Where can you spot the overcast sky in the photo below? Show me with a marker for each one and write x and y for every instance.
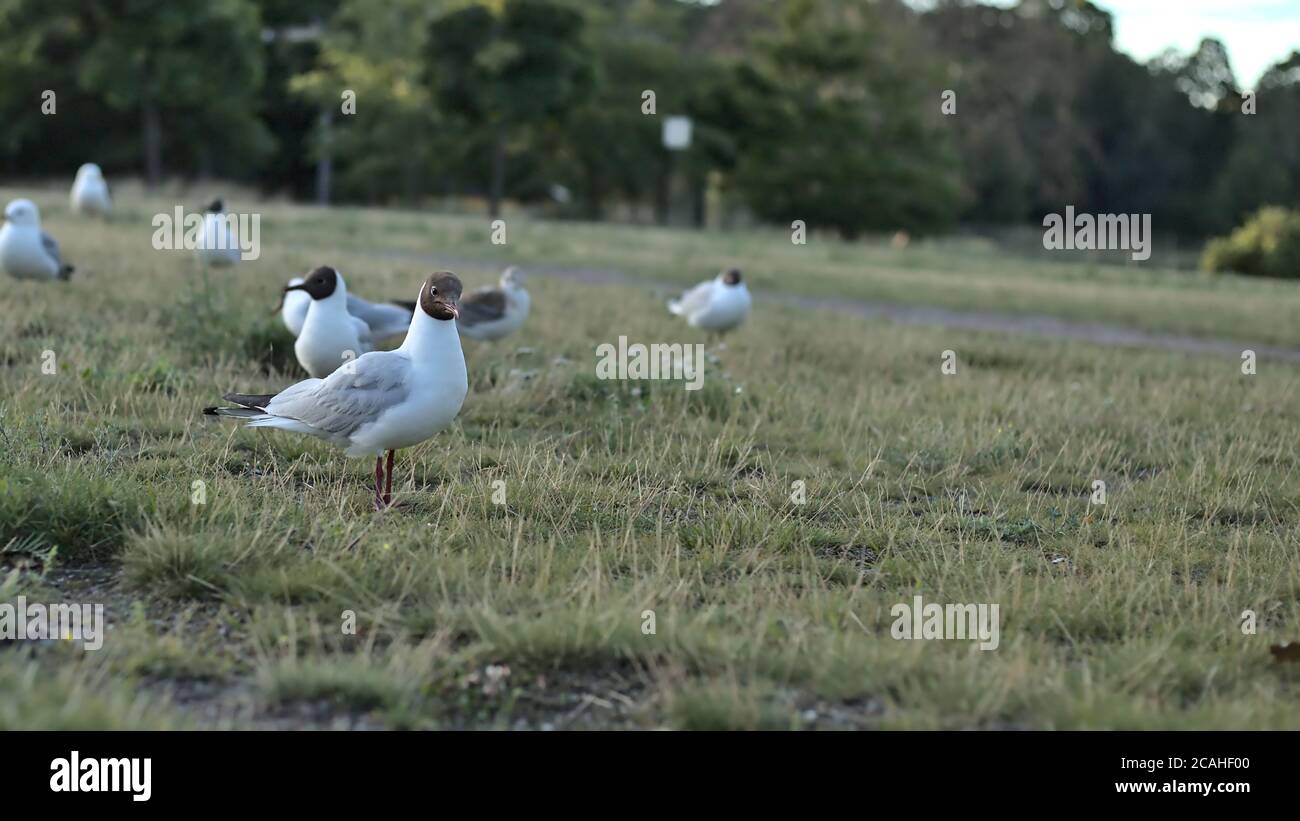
(1258, 33)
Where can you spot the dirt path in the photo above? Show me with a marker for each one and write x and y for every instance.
(1029, 324)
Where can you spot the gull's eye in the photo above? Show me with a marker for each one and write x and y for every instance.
(432, 290)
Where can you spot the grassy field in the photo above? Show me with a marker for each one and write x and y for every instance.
(624, 497)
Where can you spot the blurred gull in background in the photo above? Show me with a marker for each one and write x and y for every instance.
(218, 244)
(90, 192)
(26, 251)
(717, 305)
(492, 313)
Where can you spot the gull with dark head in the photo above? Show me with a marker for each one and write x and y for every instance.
(492, 313)
(218, 243)
(387, 400)
(26, 251)
(383, 320)
(90, 192)
(718, 305)
(329, 336)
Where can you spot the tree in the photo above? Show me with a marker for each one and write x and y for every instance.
(1052, 115)
(1263, 165)
(840, 124)
(40, 45)
(194, 68)
(292, 34)
(508, 67)
(392, 140)
(1022, 145)
(609, 146)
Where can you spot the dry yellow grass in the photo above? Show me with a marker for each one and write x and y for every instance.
(623, 498)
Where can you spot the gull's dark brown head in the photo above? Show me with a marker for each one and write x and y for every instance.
(440, 295)
(216, 206)
(732, 277)
(319, 284)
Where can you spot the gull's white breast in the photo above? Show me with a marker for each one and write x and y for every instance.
(218, 245)
(438, 390)
(90, 196)
(329, 338)
(22, 254)
(293, 313)
(726, 308)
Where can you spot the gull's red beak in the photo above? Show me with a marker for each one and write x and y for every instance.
(449, 306)
(283, 293)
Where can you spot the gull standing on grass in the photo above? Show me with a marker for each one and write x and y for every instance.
(388, 400)
(26, 251)
(329, 336)
(717, 305)
(218, 245)
(90, 192)
(492, 313)
(382, 320)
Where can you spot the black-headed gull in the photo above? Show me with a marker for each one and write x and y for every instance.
(218, 244)
(330, 336)
(26, 251)
(90, 192)
(387, 400)
(492, 313)
(383, 320)
(717, 305)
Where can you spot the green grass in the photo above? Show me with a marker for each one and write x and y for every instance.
(625, 497)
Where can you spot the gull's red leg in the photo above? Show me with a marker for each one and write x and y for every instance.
(388, 483)
(379, 478)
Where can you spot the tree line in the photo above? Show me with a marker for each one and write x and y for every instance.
(851, 115)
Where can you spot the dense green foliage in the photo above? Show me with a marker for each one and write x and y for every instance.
(1268, 245)
(497, 73)
(826, 111)
(833, 93)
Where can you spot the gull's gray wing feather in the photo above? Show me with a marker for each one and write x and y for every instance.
(342, 402)
(693, 300)
(483, 305)
(383, 319)
(51, 248)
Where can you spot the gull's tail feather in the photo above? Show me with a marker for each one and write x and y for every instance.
(236, 413)
(675, 307)
(66, 272)
(251, 405)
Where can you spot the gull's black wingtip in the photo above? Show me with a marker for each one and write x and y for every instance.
(251, 401)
